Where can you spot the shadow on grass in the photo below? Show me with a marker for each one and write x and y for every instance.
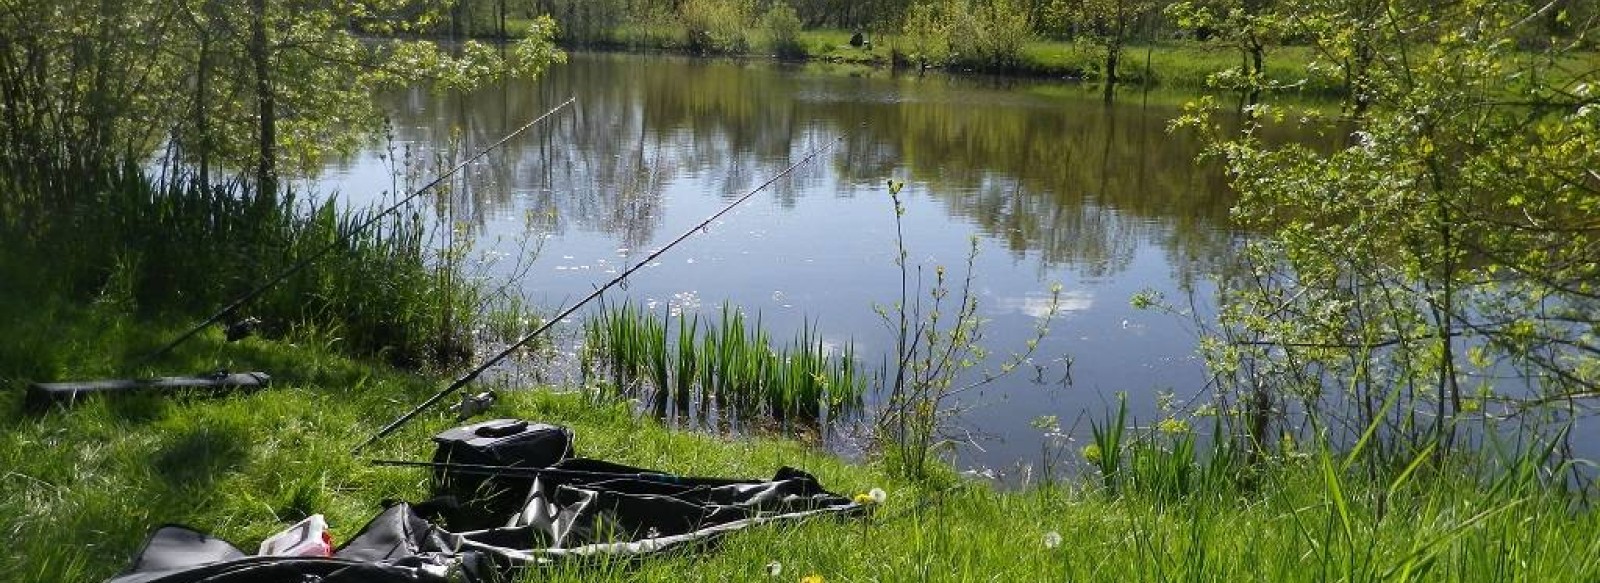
(195, 458)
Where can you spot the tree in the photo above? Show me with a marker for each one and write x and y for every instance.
(1108, 24)
(1450, 240)
(244, 83)
(1253, 26)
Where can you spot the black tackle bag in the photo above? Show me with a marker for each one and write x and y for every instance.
(467, 458)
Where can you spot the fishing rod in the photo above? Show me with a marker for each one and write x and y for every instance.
(340, 241)
(473, 374)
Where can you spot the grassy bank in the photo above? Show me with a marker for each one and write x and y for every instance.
(82, 487)
(1184, 65)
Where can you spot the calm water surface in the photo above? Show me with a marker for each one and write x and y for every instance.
(1056, 188)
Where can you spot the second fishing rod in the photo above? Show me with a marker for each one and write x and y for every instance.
(598, 291)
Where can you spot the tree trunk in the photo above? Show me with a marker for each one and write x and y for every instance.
(1113, 53)
(266, 104)
(1257, 72)
(202, 129)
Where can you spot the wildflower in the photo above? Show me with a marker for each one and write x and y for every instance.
(811, 579)
(1052, 539)
(873, 496)
(1165, 400)
(1173, 426)
(774, 568)
(1092, 453)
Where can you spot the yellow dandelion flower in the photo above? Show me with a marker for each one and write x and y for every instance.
(811, 579)
(1092, 453)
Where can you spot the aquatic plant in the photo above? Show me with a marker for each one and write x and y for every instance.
(724, 365)
(938, 340)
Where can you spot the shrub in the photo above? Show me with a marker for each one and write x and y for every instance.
(926, 33)
(715, 26)
(989, 36)
(783, 31)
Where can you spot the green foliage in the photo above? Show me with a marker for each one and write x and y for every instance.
(232, 84)
(1448, 238)
(926, 33)
(1110, 25)
(1107, 453)
(965, 33)
(988, 35)
(716, 26)
(783, 31)
(588, 21)
(1162, 462)
(1253, 27)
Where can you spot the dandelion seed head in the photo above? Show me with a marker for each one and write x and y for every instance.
(1052, 539)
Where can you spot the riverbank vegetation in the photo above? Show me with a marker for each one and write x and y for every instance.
(83, 486)
(1359, 427)
(1192, 44)
(1435, 270)
(721, 371)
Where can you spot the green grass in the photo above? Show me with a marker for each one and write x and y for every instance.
(1184, 65)
(182, 251)
(81, 488)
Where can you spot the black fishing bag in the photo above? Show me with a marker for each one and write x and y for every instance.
(466, 459)
(570, 509)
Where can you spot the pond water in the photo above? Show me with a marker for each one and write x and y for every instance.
(1055, 186)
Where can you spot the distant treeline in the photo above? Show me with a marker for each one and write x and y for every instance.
(997, 35)
(592, 21)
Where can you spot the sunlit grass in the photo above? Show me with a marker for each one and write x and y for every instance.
(82, 487)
